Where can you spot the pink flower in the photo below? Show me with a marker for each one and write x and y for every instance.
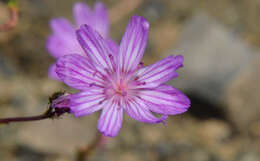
(63, 40)
(115, 82)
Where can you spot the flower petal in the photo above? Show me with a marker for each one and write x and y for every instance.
(113, 46)
(97, 19)
(111, 119)
(159, 72)
(62, 27)
(138, 110)
(101, 20)
(133, 44)
(95, 47)
(63, 40)
(87, 102)
(82, 14)
(52, 72)
(77, 72)
(165, 101)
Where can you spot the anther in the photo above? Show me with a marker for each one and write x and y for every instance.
(111, 57)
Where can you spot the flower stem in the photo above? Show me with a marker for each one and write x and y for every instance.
(50, 113)
(58, 105)
(23, 119)
(83, 153)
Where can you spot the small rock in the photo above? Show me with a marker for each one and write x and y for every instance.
(212, 57)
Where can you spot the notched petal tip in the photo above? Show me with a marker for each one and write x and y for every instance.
(146, 24)
(80, 5)
(139, 20)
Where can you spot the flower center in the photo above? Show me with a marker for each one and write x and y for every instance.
(121, 90)
(117, 88)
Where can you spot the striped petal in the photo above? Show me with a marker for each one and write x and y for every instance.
(77, 72)
(138, 110)
(133, 44)
(160, 72)
(111, 119)
(87, 102)
(96, 48)
(165, 101)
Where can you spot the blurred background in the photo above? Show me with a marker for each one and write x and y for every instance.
(220, 41)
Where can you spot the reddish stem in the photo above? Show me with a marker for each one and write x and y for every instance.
(84, 153)
(50, 113)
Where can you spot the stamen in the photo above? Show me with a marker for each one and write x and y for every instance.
(111, 57)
